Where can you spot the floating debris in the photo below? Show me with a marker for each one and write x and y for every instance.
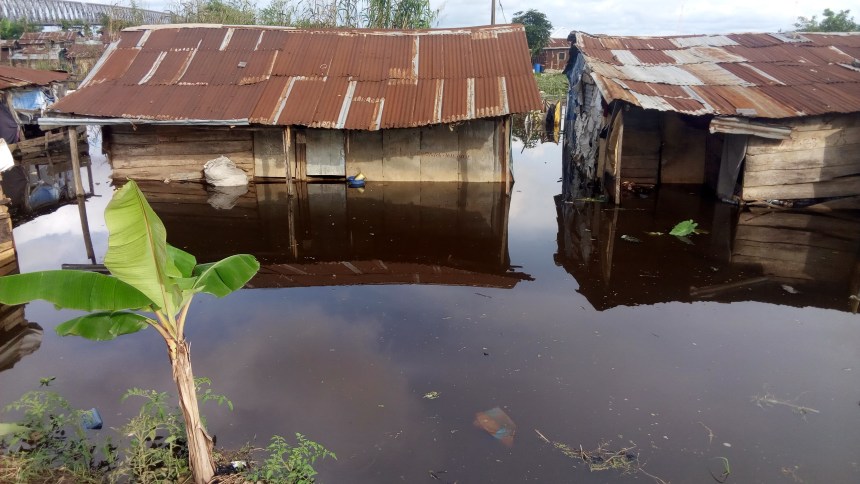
(630, 238)
(770, 400)
(431, 395)
(497, 423)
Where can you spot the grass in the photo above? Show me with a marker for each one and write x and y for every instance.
(553, 87)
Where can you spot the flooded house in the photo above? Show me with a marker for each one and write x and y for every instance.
(754, 117)
(41, 175)
(416, 105)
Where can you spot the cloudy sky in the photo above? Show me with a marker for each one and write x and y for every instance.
(630, 17)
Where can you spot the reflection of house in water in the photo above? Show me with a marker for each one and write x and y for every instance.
(789, 257)
(18, 338)
(327, 234)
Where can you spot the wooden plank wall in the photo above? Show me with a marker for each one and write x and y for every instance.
(797, 245)
(150, 152)
(820, 159)
(640, 156)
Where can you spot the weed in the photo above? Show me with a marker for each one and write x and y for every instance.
(158, 448)
(290, 465)
(52, 436)
(553, 86)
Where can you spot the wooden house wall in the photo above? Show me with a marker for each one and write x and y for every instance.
(821, 159)
(158, 152)
(473, 151)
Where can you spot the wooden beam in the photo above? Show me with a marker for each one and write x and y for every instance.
(76, 162)
(840, 187)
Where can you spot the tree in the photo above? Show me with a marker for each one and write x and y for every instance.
(279, 12)
(831, 22)
(12, 29)
(399, 14)
(538, 29)
(148, 276)
(232, 12)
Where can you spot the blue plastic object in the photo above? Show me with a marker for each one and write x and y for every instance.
(92, 419)
(355, 183)
(538, 68)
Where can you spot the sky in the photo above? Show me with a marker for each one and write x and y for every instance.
(626, 17)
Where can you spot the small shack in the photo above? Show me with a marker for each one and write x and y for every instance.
(553, 57)
(756, 117)
(397, 105)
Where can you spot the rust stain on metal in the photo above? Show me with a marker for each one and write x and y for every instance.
(753, 75)
(345, 79)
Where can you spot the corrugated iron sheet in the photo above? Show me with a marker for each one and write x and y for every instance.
(22, 77)
(753, 75)
(344, 79)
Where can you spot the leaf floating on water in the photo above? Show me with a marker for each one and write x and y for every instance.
(630, 238)
(684, 228)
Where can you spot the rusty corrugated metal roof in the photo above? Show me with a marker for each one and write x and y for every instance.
(22, 77)
(344, 79)
(555, 43)
(753, 75)
(45, 37)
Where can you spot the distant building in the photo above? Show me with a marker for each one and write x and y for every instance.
(423, 105)
(42, 48)
(757, 116)
(554, 56)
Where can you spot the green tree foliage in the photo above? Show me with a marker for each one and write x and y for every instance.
(12, 29)
(400, 14)
(830, 22)
(231, 12)
(279, 12)
(538, 29)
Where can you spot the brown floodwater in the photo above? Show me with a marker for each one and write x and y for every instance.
(384, 322)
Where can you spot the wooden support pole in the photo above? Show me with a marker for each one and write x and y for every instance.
(76, 162)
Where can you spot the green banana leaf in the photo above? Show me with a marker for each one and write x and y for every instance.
(137, 247)
(184, 261)
(225, 276)
(87, 291)
(103, 326)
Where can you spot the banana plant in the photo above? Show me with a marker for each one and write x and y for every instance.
(152, 285)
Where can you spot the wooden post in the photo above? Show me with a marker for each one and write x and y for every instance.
(76, 162)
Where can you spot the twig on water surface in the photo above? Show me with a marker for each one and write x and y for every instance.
(603, 458)
(770, 400)
(710, 433)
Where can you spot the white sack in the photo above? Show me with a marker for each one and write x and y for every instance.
(222, 172)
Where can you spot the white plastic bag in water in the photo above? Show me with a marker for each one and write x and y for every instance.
(222, 172)
(6, 160)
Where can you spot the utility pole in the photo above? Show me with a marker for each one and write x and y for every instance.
(493, 12)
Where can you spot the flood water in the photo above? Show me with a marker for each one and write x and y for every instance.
(368, 302)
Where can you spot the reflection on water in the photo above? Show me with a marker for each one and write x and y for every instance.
(350, 365)
(782, 257)
(330, 235)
